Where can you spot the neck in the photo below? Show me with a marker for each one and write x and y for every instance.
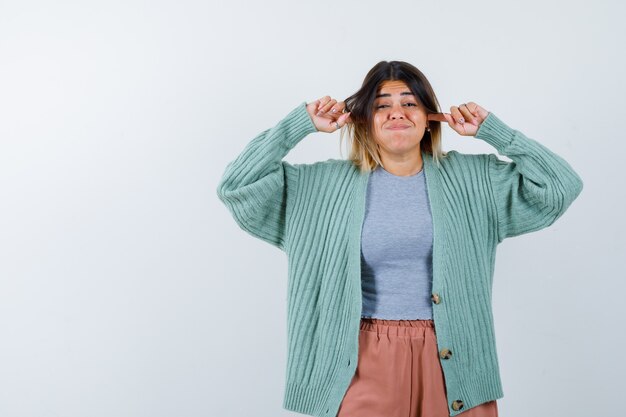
(404, 166)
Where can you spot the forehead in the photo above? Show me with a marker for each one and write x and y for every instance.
(394, 88)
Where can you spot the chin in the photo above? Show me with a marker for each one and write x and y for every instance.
(404, 147)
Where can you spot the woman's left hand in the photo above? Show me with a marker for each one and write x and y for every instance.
(466, 118)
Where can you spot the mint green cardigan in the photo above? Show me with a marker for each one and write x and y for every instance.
(314, 213)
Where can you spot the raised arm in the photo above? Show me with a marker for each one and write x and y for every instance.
(534, 190)
(258, 185)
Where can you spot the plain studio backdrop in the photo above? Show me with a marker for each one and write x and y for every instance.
(128, 290)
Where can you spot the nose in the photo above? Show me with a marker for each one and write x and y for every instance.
(397, 112)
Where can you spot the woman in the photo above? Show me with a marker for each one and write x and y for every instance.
(391, 253)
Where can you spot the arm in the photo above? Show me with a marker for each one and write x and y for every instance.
(534, 190)
(256, 185)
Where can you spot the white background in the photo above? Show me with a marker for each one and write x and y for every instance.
(127, 289)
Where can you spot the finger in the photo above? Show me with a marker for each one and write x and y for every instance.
(473, 108)
(467, 114)
(335, 124)
(456, 114)
(437, 117)
(338, 109)
(322, 101)
(344, 119)
(326, 107)
(450, 120)
(479, 112)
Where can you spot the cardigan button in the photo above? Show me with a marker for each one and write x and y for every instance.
(445, 353)
(457, 405)
(435, 298)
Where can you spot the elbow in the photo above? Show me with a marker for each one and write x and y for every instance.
(578, 186)
(220, 191)
(224, 188)
(568, 192)
(574, 188)
(225, 185)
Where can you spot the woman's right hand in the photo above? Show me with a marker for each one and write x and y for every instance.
(325, 112)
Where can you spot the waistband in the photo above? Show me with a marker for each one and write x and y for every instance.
(397, 327)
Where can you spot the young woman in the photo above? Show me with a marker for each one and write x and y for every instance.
(391, 252)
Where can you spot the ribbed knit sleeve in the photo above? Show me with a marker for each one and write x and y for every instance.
(534, 190)
(257, 187)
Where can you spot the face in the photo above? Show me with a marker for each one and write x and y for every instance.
(399, 119)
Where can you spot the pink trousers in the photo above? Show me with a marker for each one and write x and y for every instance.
(398, 374)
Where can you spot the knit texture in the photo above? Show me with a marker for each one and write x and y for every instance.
(314, 213)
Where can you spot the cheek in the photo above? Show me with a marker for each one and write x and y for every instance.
(378, 122)
(420, 116)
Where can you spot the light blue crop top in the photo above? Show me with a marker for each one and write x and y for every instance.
(397, 247)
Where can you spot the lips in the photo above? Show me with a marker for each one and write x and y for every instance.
(398, 126)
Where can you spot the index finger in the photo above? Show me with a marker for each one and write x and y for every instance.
(437, 117)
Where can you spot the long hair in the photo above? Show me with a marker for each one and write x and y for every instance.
(363, 151)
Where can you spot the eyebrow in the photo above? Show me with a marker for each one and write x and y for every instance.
(404, 93)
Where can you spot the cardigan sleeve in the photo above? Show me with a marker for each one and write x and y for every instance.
(534, 190)
(257, 186)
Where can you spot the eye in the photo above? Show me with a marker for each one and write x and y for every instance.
(385, 105)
